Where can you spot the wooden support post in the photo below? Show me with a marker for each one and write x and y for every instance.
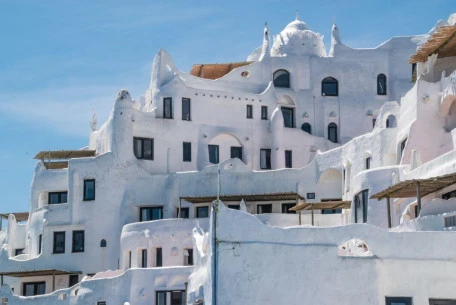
(312, 214)
(388, 208)
(53, 282)
(300, 222)
(2, 279)
(418, 197)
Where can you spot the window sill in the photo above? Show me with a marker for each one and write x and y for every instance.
(77, 251)
(58, 252)
(88, 199)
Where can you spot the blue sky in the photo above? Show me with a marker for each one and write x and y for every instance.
(61, 59)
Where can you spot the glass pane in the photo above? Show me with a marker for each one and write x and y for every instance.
(287, 117)
(54, 198)
(186, 109)
(236, 152)
(264, 112)
(282, 79)
(177, 298)
(159, 262)
(138, 148)
(213, 154)
(29, 289)
(64, 197)
(41, 288)
(145, 214)
(168, 108)
(157, 213)
(148, 149)
(78, 241)
(161, 298)
(202, 212)
(187, 148)
(89, 187)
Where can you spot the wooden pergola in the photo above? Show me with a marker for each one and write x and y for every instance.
(47, 156)
(319, 205)
(442, 42)
(30, 273)
(20, 216)
(414, 188)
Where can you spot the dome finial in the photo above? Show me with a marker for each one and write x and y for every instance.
(297, 15)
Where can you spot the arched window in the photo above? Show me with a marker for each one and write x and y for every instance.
(329, 87)
(391, 121)
(381, 84)
(332, 132)
(307, 128)
(281, 79)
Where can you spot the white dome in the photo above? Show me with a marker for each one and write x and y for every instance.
(297, 39)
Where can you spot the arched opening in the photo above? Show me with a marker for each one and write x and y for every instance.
(225, 146)
(329, 87)
(330, 182)
(332, 132)
(306, 127)
(281, 79)
(391, 121)
(381, 84)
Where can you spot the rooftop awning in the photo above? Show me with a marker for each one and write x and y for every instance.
(214, 71)
(56, 165)
(251, 197)
(38, 273)
(408, 188)
(321, 205)
(443, 42)
(64, 154)
(20, 216)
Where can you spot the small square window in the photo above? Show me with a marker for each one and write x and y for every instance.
(398, 301)
(57, 197)
(236, 152)
(59, 243)
(264, 208)
(286, 208)
(234, 206)
(73, 280)
(78, 241)
(150, 213)
(310, 195)
(89, 189)
(249, 111)
(184, 213)
(202, 212)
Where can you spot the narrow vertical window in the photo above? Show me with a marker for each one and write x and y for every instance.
(288, 159)
(186, 114)
(265, 159)
(403, 146)
(288, 117)
(89, 189)
(59, 243)
(236, 152)
(332, 132)
(374, 120)
(264, 112)
(381, 84)
(167, 108)
(187, 152)
(144, 258)
(249, 111)
(129, 259)
(158, 257)
(161, 298)
(213, 154)
(188, 257)
(40, 243)
(78, 241)
(202, 212)
(368, 163)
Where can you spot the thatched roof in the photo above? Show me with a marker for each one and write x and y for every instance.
(443, 42)
(246, 197)
(64, 154)
(214, 71)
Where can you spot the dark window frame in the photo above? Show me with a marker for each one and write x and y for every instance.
(35, 287)
(291, 113)
(169, 115)
(186, 213)
(40, 243)
(200, 208)
(60, 196)
(101, 303)
(264, 112)
(187, 151)
(72, 281)
(402, 147)
(86, 197)
(329, 81)
(186, 113)
(18, 251)
(217, 155)
(286, 208)
(267, 161)
(281, 78)
(361, 200)
(74, 241)
(333, 126)
(249, 111)
(144, 258)
(368, 162)
(288, 159)
(234, 206)
(151, 213)
(434, 301)
(140, 154)
(159, 257)
(236, 152)
(190, 256)
(306, 127)
(56, 248)
(262, 206)
(392, 300)
(381, 84)
(448, 195)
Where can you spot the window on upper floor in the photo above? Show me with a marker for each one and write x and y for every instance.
(442, 301)
(40, 243)
(264, 208)
(188, 257)
(368, 162)
(391, 121)
(143, 148)
(306, 127)
(187, 152)
(381, 84)
(213, 154)
(332, 132)
(144, 258)
(101, 303)
(288, 159)
(150, 213)
(158, 257)
(78, 241)
(310, 195)
(202, 212)
(286, 208)
(264, 112)
(414, 73)
(33, 288)
(89, 189)
(59, 243)
(167, 108)
(186, 114)
(398, 301)
(236, 152)
(57, 197)
(281, 79)
(234, 206)
(288, 117)
(265, 159)
(330, 87)
(360, 203)
(18, 251)
(249, 112)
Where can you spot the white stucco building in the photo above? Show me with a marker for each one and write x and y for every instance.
(335, 155)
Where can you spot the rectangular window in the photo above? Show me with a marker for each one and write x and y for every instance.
(188, 257)
(78, 241)
(167, 108)
(161, 298)
(249, 111)
(202, 212)
(286, 208)
(89, 189)
(186, 116)
(40, 243)
(442, 302)
(158, 257)
(129, 259)
(143, 258)
(361, 204)
(73, 280)
(310, 195)
(57, 197)
(449, 195)
(264, 112)
(234, 206)
(331, 211)
(101, 303)
(150, 213)
(450, 221)
(33, 288)
(368, 163)
(213, 154)
(288, 117)
(236, 152)
(187, 152)
(264, 208)
(288, 159)
(18, 251)
(184, 213)
(143, 148)
(59, 242)
(176, 297)
(398, 301)
(265, 159)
